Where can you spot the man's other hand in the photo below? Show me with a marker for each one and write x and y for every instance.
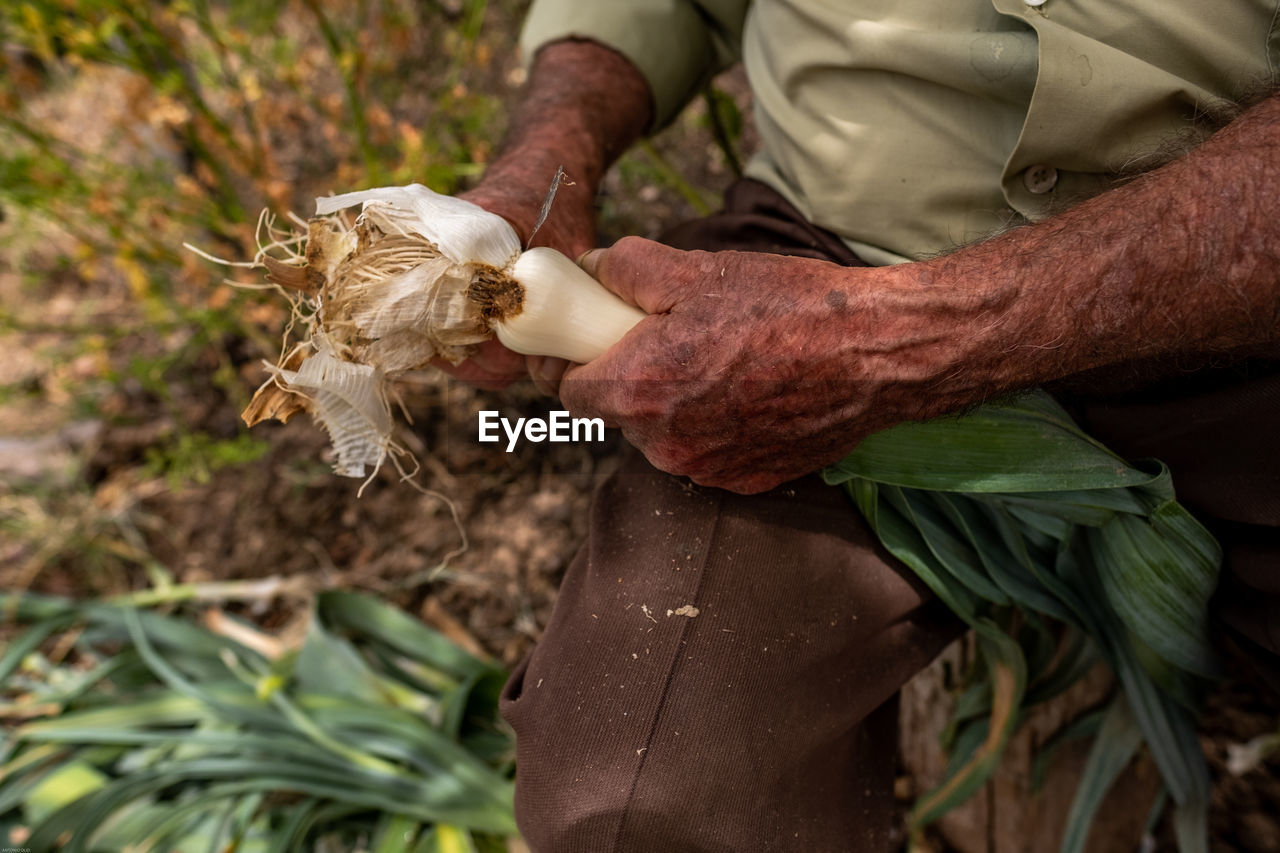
(755, 369)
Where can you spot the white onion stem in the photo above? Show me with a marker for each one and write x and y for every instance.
(565, 313)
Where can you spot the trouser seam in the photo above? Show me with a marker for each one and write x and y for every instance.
(674, 670)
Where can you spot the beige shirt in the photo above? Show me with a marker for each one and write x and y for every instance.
(909, 127)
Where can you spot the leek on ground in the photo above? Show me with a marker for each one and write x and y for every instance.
(376, 733)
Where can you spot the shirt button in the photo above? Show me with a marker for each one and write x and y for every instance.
(1040, 179)
(1034, 2)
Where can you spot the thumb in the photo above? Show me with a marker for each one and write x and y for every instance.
(649, 275)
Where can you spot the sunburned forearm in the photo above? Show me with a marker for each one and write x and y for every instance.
(1185, 259)
(583, 106)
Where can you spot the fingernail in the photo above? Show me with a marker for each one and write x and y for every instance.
(590, 261)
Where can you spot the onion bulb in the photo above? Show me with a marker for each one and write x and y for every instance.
(418, 276)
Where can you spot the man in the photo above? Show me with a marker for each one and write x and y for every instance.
(720, 668)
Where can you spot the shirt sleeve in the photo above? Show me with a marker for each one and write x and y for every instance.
(676, 44)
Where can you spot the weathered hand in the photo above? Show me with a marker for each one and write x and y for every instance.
(755, 369)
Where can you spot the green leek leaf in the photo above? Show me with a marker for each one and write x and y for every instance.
(1012, 505)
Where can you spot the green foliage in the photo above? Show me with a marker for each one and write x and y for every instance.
(130, 128)
(211, 112)
(194, 457)
(160, 733)
(725, 121)
(126, 130)
(1010, 514)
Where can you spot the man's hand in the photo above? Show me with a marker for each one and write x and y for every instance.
(584, 105)
(755, 369)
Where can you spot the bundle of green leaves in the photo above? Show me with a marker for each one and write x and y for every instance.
(1018, 520)
(374, 734)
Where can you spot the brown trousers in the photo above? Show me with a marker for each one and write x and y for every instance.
(720, 671)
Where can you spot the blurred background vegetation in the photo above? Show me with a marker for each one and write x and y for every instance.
(127, 480)
(127, 129)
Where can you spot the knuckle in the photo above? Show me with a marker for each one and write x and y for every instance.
(630, 245)
(668, 458)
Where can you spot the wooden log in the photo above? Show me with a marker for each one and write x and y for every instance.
(1007, 815)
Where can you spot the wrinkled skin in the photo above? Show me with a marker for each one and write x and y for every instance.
(755, 369)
